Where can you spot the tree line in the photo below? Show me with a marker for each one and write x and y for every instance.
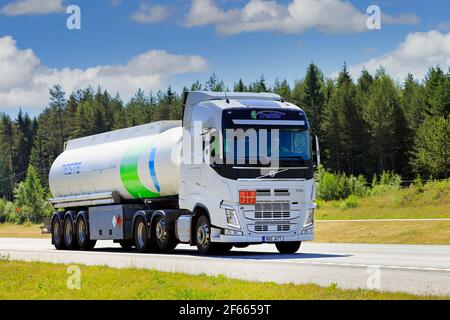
(366, 126)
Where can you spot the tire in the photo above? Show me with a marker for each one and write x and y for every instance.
(288, 247)
(58, 234)
(69, 234)
(126, 244)
(82, 232)
(141, 240)
(203, 239)
(164, 234)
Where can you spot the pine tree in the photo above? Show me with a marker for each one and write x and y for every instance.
(385, 119)
(214, 84)
(312, 98)
(432, 148)
(31, 198)
(57, 105)
(240, 86)
(282, 89)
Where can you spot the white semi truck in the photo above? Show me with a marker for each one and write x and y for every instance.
(155, 185)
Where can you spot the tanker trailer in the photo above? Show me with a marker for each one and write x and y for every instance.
(154, 186)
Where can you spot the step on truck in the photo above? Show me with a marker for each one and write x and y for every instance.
(236, 171)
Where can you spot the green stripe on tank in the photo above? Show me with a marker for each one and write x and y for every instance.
(130, 176)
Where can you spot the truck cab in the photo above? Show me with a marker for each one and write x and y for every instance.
(247, 169)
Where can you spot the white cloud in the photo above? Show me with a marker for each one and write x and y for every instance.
(416, 54)
(25, 81)
(148, 13)
(330, 16)
(33, 7)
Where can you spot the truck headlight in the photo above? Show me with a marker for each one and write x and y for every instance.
(309, 221)
(232, 219)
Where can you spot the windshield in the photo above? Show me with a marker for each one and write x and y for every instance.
(250, 145)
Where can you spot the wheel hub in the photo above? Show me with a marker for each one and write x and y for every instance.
(202, 234)
(81, 231)
(68, 232)
(160, 229)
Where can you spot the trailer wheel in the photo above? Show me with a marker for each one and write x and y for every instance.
(58, 234)
(141, 239)
(164, 234)
(83, 237)
(288, 247)
(69, 234)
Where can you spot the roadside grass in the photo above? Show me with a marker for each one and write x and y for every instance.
(394, 232)
(27, 230)
(39, 281)
(431, 200)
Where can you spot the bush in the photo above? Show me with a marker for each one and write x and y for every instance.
(351, 202)
(339, 186)
(7, 211)
(387, 182)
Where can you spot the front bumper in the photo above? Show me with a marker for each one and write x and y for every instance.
(216, 236)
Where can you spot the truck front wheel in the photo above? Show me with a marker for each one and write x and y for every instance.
(203, 239)
(288, 247)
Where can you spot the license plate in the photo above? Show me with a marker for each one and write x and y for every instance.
(273, 239)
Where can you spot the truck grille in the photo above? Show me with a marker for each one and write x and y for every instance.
(271, 227)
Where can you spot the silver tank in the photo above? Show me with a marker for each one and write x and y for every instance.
(133, 163)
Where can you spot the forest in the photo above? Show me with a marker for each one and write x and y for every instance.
(366, 126)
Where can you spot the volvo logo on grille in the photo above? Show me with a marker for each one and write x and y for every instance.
(273, 173)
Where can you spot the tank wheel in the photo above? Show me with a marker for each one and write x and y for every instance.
(58, 234)
(126, 244)
(164, 235)
(141, 240)
(69, 234)
(83, 237)
(288, 247)
(203, 238)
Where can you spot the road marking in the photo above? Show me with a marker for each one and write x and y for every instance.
(240, 259)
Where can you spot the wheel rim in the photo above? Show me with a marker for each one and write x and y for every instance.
(81, 230)
(68, 232)
(56, 232)
(141, 234)
(160, 230)
(203, 235)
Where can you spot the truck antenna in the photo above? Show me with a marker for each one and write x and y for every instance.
(226, 98)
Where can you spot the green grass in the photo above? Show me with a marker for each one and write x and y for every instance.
(429, 201)
(395, 232)
(27, 230)
(33, 280)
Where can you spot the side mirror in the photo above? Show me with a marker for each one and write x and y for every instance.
(316, 151)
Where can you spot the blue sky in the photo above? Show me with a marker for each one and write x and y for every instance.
(192, 44)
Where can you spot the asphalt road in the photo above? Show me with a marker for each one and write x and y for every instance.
(418, 269)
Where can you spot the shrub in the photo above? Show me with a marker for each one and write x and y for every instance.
(7, 211)
(339, 186)
(352, 201)
(387, 182)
